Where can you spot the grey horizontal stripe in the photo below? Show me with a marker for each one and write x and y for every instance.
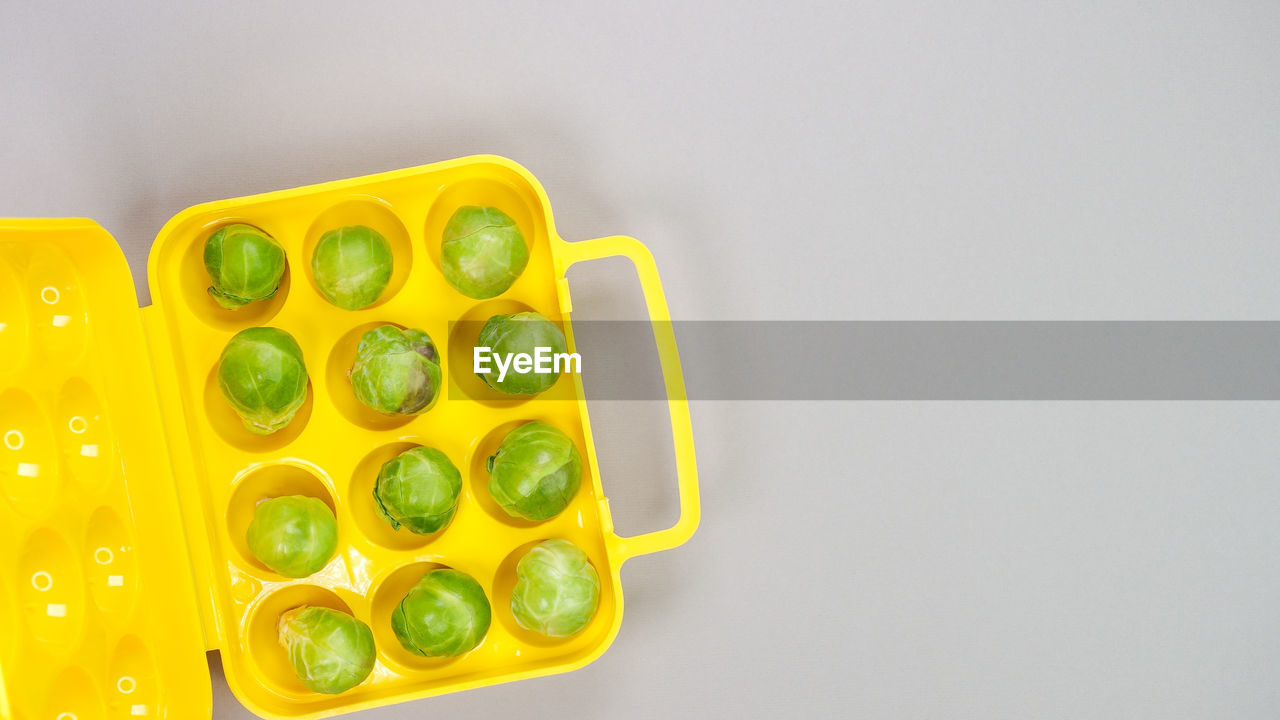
(933, 360)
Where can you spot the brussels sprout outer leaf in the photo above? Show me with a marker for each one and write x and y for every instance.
(295, 536)
(244, 265)
(418, 489)
(330, 651)
(557, 590)
(351, 266)
(382, 510)
(262, 375)
(445, 614)
(520, 333)
(396, 372)
(230, 302)
(482, 251)
(420, 342)
(535, 473)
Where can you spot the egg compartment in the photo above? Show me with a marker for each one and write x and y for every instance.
(48, 302)
(95, 590)
(140, 584)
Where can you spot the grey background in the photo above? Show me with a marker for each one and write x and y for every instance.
(867, 160)
(934, 359)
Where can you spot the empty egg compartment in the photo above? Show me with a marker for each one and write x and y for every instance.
(75, 694)
(47, 301)
(133, 686)
(85, 437)
(110, 562)
(51, 591)
(30, 477)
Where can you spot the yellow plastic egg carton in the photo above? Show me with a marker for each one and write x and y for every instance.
(127, 483)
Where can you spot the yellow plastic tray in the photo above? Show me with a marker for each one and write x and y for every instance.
(135, 575)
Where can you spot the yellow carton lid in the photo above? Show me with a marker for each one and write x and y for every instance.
(97, 601)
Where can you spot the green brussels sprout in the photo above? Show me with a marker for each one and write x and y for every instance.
(418, 489)
(557, 590)
(294, 535)
(445, 615)
(330, 650)
(244, 265)
(483, 252)
(263, 377)
(535, 473)
(508, 335)
(396, 372)
(352, 266)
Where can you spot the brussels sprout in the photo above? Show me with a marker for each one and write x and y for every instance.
(330, 651)
(483, 251)
(419, 490)
(535, 473)
(263, 377)
(396, 372)
(557, 590)
(293, 535)
(507, 335)
(352, 266)
(244, 265)
(445, 615)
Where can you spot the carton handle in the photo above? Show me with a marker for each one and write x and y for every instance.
(677, 402)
